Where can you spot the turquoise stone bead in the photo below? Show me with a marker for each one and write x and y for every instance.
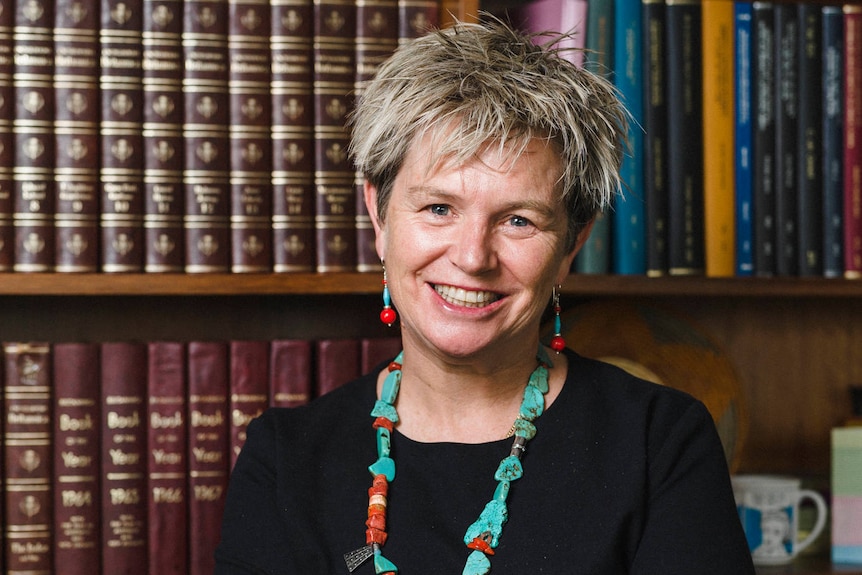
(383, 466)
(539, 379)
(525, 429)
(384, 565)
(502, 491)
(533, 404)
(491, 521)
(383, 442)
(510, 469)
(543, 357)
(477, 564)
(383, 409)
(391, 385)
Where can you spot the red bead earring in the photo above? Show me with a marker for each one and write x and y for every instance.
(387, 314)
(558, 344)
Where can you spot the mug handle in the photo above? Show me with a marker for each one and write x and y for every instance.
(821, 517)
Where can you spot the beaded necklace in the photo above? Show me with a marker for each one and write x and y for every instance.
(483, 536)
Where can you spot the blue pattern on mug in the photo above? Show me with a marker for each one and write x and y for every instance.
(769, 532)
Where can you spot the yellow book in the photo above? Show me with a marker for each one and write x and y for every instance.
(718, 137)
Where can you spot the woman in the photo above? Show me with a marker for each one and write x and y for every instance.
(479, 449)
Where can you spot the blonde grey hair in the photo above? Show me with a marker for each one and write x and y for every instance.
(476, 85)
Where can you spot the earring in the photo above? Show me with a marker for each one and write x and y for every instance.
(558, 344)
(387, 314)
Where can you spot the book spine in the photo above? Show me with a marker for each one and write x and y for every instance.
(334, 176)
(852, 141)
(33, 202)
(77, 459)
(337, 361)
(249, 389)
(743, 132)
(809, 175)
(655, 136)
(124, 457)
(208, 450)
(7, 153)
(375, 350)
(416, 18)
(833, 145)
(293, 235)
(206, 177)
(122, 202)
(28, 455)
(452, 11)
(685, 138)
(719, 151)
(289, 372)
(377, 30)
(76, 127)
(167, 459)
(164, 195)
(250, 142)
(763, 101)
(628, 225)
(786, 133)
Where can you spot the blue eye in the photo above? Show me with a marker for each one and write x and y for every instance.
(519, 221)
(439, 210)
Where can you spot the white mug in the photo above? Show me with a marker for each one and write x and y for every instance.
(768, 507)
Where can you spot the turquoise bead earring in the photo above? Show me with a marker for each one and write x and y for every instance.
(387, 314)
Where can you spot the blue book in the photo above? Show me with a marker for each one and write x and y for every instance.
(628, 226)
(833, 143)
(743, 137)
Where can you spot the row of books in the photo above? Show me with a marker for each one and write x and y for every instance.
(746, 152)
(117, 454)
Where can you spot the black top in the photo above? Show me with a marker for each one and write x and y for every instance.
(623, 477)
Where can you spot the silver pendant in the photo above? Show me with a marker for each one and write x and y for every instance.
(356, 558)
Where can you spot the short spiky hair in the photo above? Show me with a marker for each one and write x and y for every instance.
(489, 84)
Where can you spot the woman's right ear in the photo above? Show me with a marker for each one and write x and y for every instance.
(370, 193)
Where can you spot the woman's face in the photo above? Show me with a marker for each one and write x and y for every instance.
(472, 251)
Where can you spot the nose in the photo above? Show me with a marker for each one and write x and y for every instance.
(473, 250)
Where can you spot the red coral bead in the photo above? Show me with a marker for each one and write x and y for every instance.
(388, 316)
(375, 536)
(558, 344)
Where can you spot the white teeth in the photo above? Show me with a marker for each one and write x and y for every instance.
(462, 297)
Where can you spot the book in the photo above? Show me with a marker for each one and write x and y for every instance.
(743, 135)
(719, 151)
(290, 372)
(293, 199)
(809, 142)
(208, 449)
(250, 143)
(122, 165)
(547, 18)
(684, 65)
(337, 361)
(77, 458)
(27, 457)
(416, 18)
(833, 141)
(167, 459)
(763, 99)
(377, 35)
(249, 388)
(375, 350)
(452, 11)
(7, 153)
(124, 457)
(163, 114)
(76, 126)
(206, 175)
(655, 129)
(33, 197)
(786, 134)
(628, 242)
(334, 176)
(852, 141)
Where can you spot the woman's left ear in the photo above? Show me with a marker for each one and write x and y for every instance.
(566, 266)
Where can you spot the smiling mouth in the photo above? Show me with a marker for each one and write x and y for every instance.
(466, 298)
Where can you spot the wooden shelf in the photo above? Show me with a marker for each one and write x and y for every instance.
(369, 283)
(807, 565)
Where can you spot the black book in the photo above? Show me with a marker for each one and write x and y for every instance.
(832, 58)
(763, 73)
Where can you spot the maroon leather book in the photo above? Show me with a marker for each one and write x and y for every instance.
(77, 452)
(167, 459)
(33, 126)
(289, 372)
(124, 457)
(162, 81)
(852, 142)
(293, 235)
(337, 362)
(27, 458)
(334, 176)
(249, 389)
(205, 132)
(208, 450)
(375, 350)
(416, 18)
(7, 153)
(76, 128)
(122, 202)
(250, 141)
